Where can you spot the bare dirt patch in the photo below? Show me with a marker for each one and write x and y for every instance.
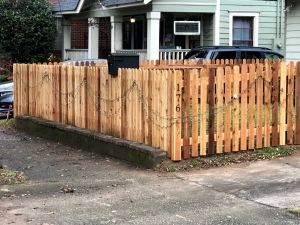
(225, 159)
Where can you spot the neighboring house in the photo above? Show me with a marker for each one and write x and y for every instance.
(160, 29)
(292, 33)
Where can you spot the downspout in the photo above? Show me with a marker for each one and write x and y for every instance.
(277, 21)
(281, 26)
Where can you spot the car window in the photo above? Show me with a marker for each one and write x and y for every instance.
(250, 55)
(223, 55)
(202, 54)
(272, 55)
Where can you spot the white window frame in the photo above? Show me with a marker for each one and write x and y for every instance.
(254, 15)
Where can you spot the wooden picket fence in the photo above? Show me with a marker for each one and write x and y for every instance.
(188, 111)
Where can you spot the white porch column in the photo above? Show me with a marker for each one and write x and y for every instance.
(116, 33)
(66, 37)
(217, 24)
(153, 19)
(93, 39)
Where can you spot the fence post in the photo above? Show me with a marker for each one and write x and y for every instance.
(176, 113)
(186, 100)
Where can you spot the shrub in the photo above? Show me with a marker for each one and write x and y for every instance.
(27, 30)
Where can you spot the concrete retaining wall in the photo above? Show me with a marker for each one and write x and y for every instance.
(136, 153)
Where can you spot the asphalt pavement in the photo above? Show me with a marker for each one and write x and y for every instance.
(68, 186)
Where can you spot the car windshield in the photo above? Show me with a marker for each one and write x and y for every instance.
(202, 54)
(196, 54)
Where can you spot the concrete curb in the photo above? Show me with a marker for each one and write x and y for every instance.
(136, 153)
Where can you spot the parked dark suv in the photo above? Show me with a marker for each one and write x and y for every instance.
(232, 52)
(6, 98)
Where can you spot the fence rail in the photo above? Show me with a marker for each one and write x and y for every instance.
(191, 111)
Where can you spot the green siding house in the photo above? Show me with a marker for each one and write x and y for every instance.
(292, 33)
(161, 29)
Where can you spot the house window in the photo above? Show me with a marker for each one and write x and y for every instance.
(127, 35)
(138, 34)
(59, 37)
(242, 31)
(243, 28)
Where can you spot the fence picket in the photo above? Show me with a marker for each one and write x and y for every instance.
(171, 74)
(123, 77)
(251, 106)
(186, 115)
(17, 86)
(236, 118)
(227, 120)
(259, 107)
(64, 97)
(203, 110)
(164, 110)
(133, 107)
(150, 108)
(71, 95)
(219, 105)
(275, 99)
(57, 95)
(211, 105)
(77, 83)
(90, 79)
(297, 104)
(195, 134)
(267, 104)
(283, 99)
(244, 103)
(290, 102)
(31, 94)
(144, 104)
(156, 108)
(104, 101)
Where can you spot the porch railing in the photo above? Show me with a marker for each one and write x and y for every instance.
(164, 54)
(141, 52)
(75, 54)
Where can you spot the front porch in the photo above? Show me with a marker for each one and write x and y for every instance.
(153, 35)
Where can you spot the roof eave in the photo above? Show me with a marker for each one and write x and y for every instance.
(123, 6)
(78, 9)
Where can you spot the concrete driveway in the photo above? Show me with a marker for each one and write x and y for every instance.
(72, 186)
